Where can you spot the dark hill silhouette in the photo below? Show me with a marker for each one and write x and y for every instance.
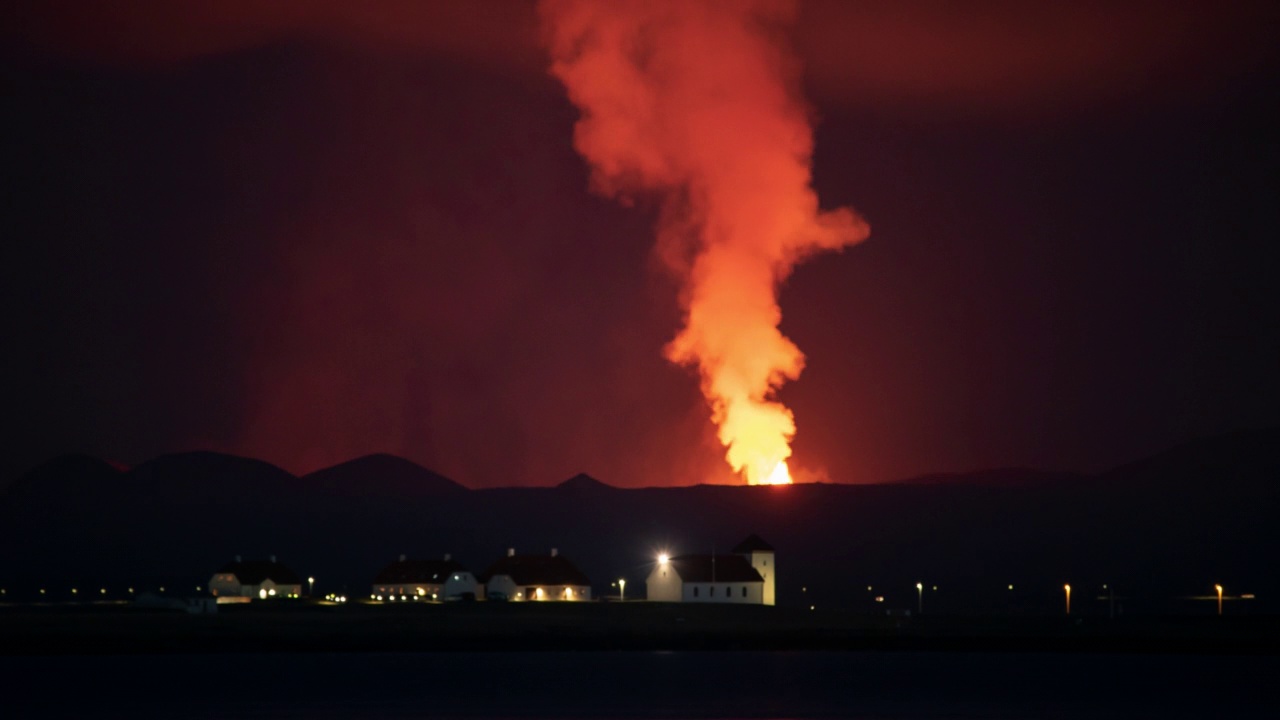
(996, 477)
(65, 470)
(382, 474)
(1172, 524)
(584, 482)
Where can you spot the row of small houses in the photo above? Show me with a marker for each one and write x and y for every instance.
(746, 575)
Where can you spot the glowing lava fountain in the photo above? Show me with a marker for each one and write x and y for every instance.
(697, 104)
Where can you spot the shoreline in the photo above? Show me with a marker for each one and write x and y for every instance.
(308, 627)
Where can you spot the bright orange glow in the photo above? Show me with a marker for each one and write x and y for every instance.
(697, 104)
(780, 475)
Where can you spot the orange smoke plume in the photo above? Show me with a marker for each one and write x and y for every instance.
(695, 103)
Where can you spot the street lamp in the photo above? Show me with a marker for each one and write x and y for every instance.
(919, 598)
(622, 587)
(1067, 588)
(1219, 589)
(311, 586)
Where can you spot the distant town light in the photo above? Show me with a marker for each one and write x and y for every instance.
(1010, 586)
(73, 591)
(104, 590)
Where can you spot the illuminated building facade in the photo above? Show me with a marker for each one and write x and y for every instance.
(255, 579)
(536, 578)
(426, 580)
(744, 576)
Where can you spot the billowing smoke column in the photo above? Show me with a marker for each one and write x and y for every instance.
(695, 103)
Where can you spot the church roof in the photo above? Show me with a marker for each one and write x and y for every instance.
(537, 570)
(753, 544)
(714, 568)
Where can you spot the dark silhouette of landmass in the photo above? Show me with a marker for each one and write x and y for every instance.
(1164, 527)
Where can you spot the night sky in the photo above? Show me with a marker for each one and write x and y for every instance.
(320, 230)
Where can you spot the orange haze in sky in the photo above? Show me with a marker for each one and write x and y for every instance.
(697, 104)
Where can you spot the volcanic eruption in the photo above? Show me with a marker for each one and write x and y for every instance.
(696, 105)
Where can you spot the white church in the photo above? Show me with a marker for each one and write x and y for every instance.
(745, 575)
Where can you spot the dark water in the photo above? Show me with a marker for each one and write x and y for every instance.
(605, 685)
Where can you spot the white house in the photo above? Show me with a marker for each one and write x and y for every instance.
(535, 578)
(429, 580)
(260, 579)
(744, 576)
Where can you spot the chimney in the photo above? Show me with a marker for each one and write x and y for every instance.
(401, 557)
(447, 557)
(273, 558)
(511, 552)
(554, 552)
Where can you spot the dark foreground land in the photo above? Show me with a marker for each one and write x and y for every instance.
(294, 627)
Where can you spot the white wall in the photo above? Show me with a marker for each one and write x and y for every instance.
(501, 584)
(458, 583)
(766, 565)
(551, 593)
(663, 584)
(722, 593)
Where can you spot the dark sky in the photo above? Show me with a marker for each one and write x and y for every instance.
(319, 230)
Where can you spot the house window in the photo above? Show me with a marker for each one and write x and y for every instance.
(695, 592)
(744, 591)
(711, 591)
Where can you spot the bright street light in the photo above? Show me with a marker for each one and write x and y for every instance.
(920, 598)
(663, 559)
(622, 587)
(1219, 589)
(311, 586)
(1067, 588)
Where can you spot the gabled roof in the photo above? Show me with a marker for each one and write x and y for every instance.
(254, 572)
(433, 572)
(753, 543)
(714, 568)
(537, 570)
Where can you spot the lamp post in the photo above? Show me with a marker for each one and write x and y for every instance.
(919, 598)
(622, 587)
(1067, 588)
(1219, 589)
(311, 586)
